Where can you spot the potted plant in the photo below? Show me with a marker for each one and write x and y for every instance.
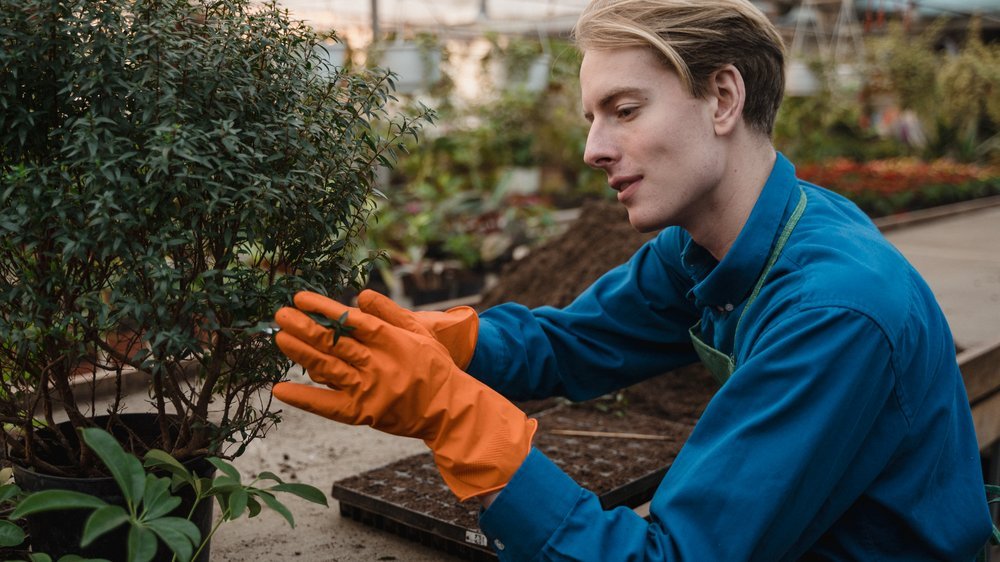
(156, 500)
(171, 172)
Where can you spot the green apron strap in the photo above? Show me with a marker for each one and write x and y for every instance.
(723, 365)
(992, 496)
(778, 247)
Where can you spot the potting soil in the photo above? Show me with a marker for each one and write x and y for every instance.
(600, 239)
(619, 455)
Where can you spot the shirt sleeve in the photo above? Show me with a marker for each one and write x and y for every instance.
(629, 325)
(781, 452)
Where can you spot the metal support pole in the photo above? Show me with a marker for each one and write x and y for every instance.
(375, 31)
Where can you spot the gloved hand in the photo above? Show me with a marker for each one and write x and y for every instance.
(456, 328)
(401, 380)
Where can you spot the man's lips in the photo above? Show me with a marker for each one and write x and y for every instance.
(621, 183)
(624, 186)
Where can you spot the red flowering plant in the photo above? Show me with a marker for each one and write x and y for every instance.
(882, 187)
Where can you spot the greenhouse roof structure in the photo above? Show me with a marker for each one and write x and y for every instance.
(553, 14)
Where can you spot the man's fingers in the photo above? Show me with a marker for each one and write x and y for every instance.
(296, 323)
(364, 324)
(332, 404)
(332, 370)
(377, 304)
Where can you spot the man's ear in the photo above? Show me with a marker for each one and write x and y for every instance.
(726, 85)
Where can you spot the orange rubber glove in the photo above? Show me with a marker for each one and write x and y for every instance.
(398, 380)
(456, 328)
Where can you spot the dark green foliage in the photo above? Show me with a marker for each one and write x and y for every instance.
(175, 168)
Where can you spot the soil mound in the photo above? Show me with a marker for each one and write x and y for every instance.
(560, 269)
(600, 239)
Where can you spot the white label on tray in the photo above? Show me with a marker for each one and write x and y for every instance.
(476, 538)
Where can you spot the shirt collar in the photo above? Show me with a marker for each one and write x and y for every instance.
(724, 285)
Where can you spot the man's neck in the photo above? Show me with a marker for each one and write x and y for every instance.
(728, 207)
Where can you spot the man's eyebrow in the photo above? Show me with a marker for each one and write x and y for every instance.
(611, 96)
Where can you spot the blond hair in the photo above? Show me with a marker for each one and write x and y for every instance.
(695, 38)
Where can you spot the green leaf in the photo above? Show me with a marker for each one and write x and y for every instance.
(10, 534)
(157, 500)
(125, 468)
(180, 535)
(102, 520)
(223, 484)
(8, 491)
(253, 506)
(339, 327)
(141, 544)
(49, 500)
(201, 485)
(41, 557)
(78, 558)
(185, 527)
(237, 503)
(267, 475)
(276, 505)
(226, 468)
(158, 459)
(304, 491)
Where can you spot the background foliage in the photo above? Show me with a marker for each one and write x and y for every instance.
(909, 100)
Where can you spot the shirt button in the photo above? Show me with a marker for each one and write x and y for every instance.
(498, 544)
(729, 307)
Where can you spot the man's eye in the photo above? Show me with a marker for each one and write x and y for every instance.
(624, 112)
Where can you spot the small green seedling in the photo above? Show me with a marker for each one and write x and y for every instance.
(339, 326)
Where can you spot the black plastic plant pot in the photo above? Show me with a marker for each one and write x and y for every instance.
(58, 533)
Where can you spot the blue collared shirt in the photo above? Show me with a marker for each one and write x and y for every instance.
(844, 433)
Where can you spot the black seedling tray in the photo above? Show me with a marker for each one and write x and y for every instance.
(409, 498)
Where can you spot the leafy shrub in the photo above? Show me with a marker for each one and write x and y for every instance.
(171, 171)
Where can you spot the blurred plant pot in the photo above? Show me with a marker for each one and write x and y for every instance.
(416, 67)
(58, 533)
(437, 284)
(801, 81)
(520, 180)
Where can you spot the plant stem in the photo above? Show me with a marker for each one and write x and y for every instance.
(215, 527)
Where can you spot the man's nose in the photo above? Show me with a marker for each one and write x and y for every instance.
(600, 151)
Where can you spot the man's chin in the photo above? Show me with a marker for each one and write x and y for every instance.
(641, 223)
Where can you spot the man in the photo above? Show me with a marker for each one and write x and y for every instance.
(841, 430)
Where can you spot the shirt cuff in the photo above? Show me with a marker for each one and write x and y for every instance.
(527, 512)
(487, 353)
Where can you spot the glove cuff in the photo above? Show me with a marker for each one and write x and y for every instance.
(488, 461)
(458, 330)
